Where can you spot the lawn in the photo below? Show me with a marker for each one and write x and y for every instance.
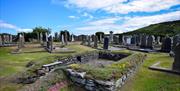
(150, 80)
(11, 64)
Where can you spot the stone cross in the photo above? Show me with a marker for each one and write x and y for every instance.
(176, 64)
(106, 43)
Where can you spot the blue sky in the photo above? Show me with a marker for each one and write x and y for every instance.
(85, 16)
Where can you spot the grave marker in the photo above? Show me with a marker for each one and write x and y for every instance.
(106, 43)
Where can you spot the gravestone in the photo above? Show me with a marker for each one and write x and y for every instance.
(0, 40)
(50, 44)
(176, 64)
(106, 43)
(111, 36)
(65, 38)
(41, 38)
(138, 40)
(89, 41)
(143, 41)
(46, 34)
(158, 40)
(166, 45)
(150, 42)
(176, 40)
(95, 41)
(21, 44)
(62, 39)
(72, 37)
(133, 40)
(10, 38)
(100, 38)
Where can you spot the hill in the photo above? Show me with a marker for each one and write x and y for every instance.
(161, 29)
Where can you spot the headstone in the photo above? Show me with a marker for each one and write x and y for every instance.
(111, 36)
(158, 40)
(41, 38)
(89, 41)
(95, 41)
(150, 42)
(143, 41)
(176, 40)
(10, 38)
(46, 37)
(133, 40)
(72, 37)
(20, 45)
(176, 64)
(0, 40)
(62, 39)
(166, 45)
(100, 39)
(106, 43)
(50, 43)
(66, 38)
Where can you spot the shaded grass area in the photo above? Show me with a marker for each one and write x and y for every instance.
(11, 64)
(150, 80)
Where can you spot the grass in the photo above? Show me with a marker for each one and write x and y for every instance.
(149, 80)
(11, 64)
(114, 70)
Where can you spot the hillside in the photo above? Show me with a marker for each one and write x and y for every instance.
(166, 28)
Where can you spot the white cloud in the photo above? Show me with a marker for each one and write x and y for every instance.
(130, 23)
(13, 27)
(89, 4)
(85, 14)
(119, 6)
(73, 17)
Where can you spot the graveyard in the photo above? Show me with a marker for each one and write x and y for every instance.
(105, 62)
(86, 45)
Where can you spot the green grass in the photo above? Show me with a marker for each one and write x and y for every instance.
(11, 64)
(150, 80)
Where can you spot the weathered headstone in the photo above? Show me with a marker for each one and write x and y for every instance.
(66, 38)
(150, 42)
(133, 40)
(10, 38)
(95, 42)
(166, 45)
(21, 44)
(72, 37)
(143, 41)
(111, 36)
(0, 40)
(46, 34)
(50, 44)
(158, 40)
(89, 41)
(106, 43)
(176, 64)
(176, 40)
(41, 38)
(62, 39)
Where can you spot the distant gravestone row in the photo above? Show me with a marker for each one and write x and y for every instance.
(5, 39)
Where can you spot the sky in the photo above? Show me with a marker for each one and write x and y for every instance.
(85, 16)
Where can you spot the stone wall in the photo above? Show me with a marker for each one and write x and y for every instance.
(93, 84)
